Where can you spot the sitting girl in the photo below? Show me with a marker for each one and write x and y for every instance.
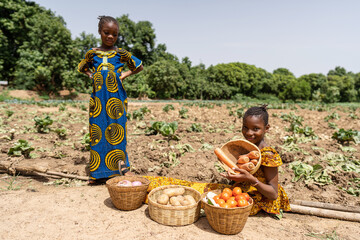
(263, 186)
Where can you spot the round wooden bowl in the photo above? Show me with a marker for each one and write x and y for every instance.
(233, 149)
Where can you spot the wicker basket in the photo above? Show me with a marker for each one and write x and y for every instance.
(226, 220)
(127, 198)
(233, 149)
(171, 215)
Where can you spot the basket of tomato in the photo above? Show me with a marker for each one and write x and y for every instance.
(227, 210)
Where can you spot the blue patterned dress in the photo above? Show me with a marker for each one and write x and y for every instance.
(107, 110)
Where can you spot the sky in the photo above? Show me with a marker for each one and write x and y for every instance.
(308, 36)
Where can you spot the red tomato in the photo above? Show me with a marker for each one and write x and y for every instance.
(231, 202)
(225, 205)
(227, 190)
(236, 191)
(225, 196)
(239, 197)
(242, 203)
(246, 195)
(220, 201)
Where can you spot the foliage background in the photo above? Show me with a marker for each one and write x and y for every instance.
(37, 52)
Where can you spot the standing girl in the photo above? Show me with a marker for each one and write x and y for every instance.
(263, 186)
(108, 102)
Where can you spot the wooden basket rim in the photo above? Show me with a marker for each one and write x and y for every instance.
(226, 209)
(112, 181)
(248, 143)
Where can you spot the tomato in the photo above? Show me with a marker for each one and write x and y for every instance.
(242, 203)
(220, 201)
(246, 195)
(225, 196)
(227, 190)
(225, 205)
(236, 191)
(239, 197)
(232, 202)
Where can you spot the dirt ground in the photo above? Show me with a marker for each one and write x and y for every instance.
(43, 208)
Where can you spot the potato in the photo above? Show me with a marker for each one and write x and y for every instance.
(174, 191)
(185, 202)
(163, 199)
(180, 197)
(175, 201)
(190, 199)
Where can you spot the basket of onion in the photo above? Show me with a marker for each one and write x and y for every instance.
(127, 192)
(227, 210)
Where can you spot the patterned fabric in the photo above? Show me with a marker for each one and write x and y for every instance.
(269, 158)
(107, 110)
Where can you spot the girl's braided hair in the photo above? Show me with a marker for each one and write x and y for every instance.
(258, 111)
(105, 19)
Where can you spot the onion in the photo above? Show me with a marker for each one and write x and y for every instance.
(136, 183)
(124, 183)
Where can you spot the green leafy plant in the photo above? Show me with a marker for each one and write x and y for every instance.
(195, 127)
(310, 173)
(22, 147)
(138, 114)
(61, 132)
(83, 107)
(86, 141)
(62, 107)
(11, 184)
(9, 113)
(333, 115)
(353, 116)
(168, 107)
(42, 124)
(183, 148)
(173, 160)
(182, 112)
(165, 129)
(332, 125)
(345, 136)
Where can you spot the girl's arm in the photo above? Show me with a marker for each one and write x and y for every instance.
(268, 189)
(129, 73)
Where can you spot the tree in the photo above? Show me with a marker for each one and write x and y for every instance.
(47, 57)
(281, 77)
(13, 32)
(138, 38)
(296, 90)
(164, 79)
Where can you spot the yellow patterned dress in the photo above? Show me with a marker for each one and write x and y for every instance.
(107, 110)
(270, 158)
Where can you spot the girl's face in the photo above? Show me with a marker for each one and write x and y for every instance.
(109, 34)
(254, 129)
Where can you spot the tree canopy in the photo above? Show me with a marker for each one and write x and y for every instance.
(37, 52)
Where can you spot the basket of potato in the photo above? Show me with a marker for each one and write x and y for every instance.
(174, 205)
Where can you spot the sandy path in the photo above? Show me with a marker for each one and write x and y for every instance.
(86, 212)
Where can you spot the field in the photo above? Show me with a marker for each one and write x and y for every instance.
(316, 166)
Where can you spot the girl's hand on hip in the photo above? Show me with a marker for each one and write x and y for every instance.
(89, 74)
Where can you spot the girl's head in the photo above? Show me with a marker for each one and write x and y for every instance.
(255, 124)
(109, 31)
